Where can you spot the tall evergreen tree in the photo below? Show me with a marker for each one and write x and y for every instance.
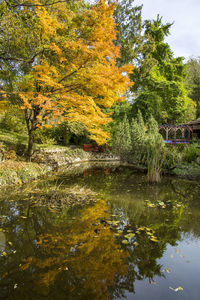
(193, 81)
(129, 27)
(159, 79)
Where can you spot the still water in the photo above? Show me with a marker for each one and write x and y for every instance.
(129, 241)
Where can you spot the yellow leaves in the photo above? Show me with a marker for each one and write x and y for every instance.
(76, 74)
(4, 105)
(58, 51)
(28, 261)
(2, 94)
(48, 22)
(25, 100)
(85, 246)
(47, 125)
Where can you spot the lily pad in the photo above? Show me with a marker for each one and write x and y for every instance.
(125, 242)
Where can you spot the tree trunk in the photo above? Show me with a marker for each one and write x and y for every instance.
(30, 145)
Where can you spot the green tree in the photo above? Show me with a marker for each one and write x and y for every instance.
(122, 138)
(129, 27)
(193, 80)
(159, 79)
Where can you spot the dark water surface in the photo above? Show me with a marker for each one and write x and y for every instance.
(135, 241)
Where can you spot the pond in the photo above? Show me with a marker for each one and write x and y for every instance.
(129, 240)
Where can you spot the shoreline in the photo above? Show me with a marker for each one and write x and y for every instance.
(47, 161)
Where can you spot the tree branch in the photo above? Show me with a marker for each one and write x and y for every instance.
(30, 60)
(26, 4)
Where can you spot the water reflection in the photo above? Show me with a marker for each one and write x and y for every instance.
(103, 249)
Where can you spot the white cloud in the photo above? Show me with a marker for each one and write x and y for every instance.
(185, 32)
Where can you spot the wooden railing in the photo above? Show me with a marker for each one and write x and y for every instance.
(178, 141)
(95, 148)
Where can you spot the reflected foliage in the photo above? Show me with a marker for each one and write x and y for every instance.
(97, 250)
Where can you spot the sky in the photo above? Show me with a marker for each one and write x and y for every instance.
(184, 39)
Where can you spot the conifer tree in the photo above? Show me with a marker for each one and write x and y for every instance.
(160, 79)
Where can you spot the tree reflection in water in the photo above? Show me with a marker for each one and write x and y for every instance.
(80, 253)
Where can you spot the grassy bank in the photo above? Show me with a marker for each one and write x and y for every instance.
(18, 172)
(14, 169)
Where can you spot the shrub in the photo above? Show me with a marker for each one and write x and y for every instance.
(191, 153)
(173, 156)
(13, 121)
(143, 143)
(122, 143)
(42, 136)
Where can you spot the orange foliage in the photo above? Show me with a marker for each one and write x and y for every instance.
(76, 77)
(86, 249)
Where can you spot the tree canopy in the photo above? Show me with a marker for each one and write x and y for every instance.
(193, 80)
(159, 80)
(63, 62)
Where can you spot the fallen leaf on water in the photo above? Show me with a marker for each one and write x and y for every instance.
(125, 242)
(154, 239)
(168, 270)
(141, 228)
(129, 236)
(117, 234)
(171, 256)
(153, 282)
(176, 289)
(181, 255)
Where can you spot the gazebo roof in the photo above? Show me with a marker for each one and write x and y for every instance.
(194, 124)
(171, 126)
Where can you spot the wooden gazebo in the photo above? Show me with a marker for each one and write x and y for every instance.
(195, 125)
(187, 132)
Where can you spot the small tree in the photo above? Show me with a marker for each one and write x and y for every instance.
(142, 144)
(122, 144)
(155, 151)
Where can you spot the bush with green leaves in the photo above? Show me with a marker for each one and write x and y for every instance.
(42, 136)
(173, 156)
(13, 121)
(191, 153)
(143, 144)
(68, 131)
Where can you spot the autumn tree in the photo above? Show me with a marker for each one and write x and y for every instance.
(65, 62)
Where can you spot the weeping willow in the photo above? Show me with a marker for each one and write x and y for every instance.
(155, 151)
(143, 143)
